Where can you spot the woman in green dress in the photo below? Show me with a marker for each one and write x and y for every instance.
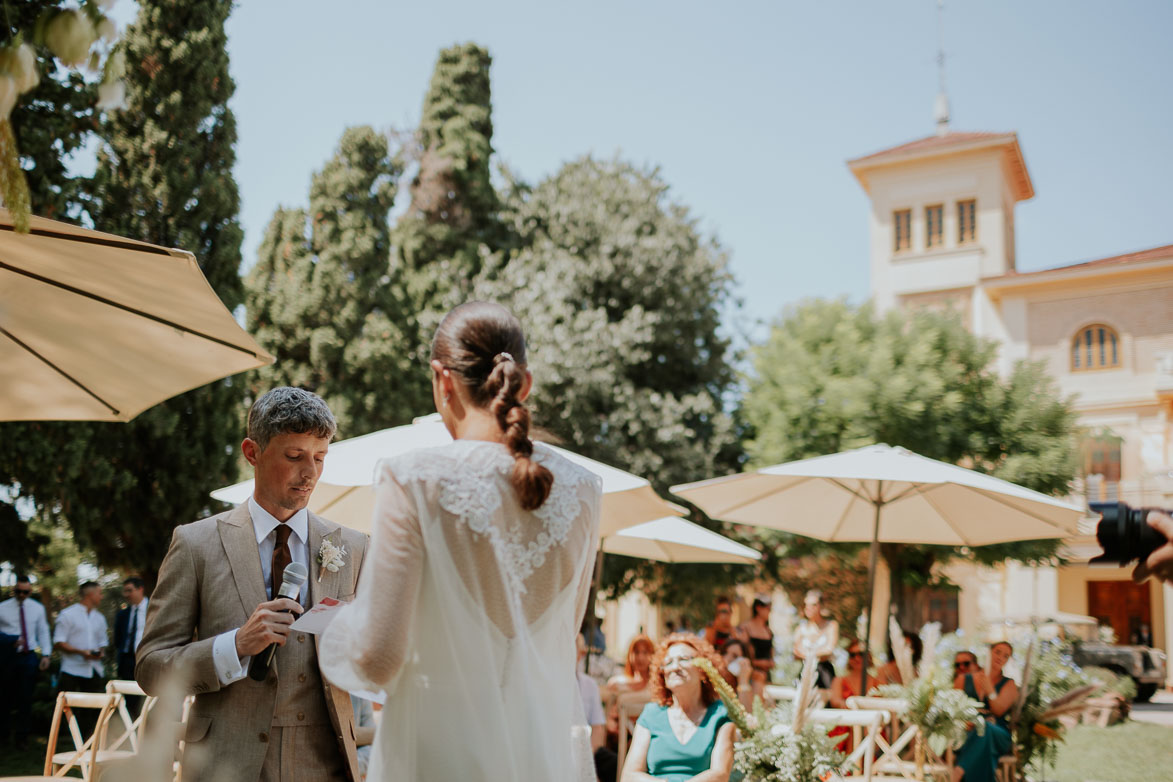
(684, 734)
(977, 760)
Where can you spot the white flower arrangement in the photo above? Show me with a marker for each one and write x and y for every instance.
(331, 558)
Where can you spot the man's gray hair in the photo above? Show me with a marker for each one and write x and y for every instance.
(289, 410)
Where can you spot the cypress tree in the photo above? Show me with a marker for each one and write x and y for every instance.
(331, 308)
(164, 176)
(454, 218)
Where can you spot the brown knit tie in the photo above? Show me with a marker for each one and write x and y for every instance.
(281, 558)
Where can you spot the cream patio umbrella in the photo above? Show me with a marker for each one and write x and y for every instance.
(672, 539)
(884, 494)
(346, 494)
(97, 327)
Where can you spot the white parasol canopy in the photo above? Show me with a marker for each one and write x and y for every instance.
(345, 493)
(95, 327)
(885, 492)
(673, 539)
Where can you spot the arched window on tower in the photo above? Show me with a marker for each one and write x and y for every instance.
(1095, 347)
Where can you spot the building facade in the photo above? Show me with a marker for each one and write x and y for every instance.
(942, 235)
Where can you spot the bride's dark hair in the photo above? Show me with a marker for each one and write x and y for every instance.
(482, 344)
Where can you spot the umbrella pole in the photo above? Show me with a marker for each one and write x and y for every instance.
(592, 620)
(873, 556)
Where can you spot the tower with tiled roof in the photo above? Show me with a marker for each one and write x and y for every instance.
(942, 217)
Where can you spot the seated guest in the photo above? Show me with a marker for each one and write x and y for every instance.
(757, 633)
(721, 629)
(977, 760)
(889, 672)
(606, 761)
(629, 686)
(817, 634)
(685, 733)
(364, 731)
(844, 687)
(738, 668)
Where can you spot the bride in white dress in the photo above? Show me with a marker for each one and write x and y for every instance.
(475, 581)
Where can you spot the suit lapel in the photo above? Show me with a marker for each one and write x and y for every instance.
(240, 544)
(321, 529)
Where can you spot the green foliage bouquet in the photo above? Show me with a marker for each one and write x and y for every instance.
(942, 713)
(1055, 687)
(781, 744)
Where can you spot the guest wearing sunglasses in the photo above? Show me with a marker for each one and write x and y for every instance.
(977, 760)
(685, 734)
(24, 651)
(844, 687)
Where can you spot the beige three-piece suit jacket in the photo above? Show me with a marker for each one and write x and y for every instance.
(211, 582)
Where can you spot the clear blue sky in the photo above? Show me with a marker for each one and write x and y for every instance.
(749, 109)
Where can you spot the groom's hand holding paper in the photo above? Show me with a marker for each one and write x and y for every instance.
(318, 618)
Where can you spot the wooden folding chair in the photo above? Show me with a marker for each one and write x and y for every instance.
(133, 729)
(893, 762)
(866, 727)
(84, 756)
(630, 706)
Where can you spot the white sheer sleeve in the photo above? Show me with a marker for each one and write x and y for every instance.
(366, 645)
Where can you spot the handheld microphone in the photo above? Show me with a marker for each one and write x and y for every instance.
(292, 578)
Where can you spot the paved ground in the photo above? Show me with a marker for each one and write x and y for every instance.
(1159, 710)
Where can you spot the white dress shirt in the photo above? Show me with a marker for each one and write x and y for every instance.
(138, 621)
(229, 666)
(81, 629)
(36, 624)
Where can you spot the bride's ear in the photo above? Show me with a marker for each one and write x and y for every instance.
(527, 385)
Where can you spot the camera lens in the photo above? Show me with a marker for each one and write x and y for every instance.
(1124, 534)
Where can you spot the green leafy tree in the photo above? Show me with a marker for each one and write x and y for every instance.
(832, 377)
(453, 220)
(622, 298)
(330, 307)
(164, 176)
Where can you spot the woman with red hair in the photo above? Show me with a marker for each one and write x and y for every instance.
(684, 734)
(629, 687)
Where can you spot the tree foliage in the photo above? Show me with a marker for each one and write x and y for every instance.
(164, 176)
(622, 298)
(832, 377)
(332, 308)
(453, 221)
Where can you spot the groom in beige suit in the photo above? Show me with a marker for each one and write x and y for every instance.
(213, 610)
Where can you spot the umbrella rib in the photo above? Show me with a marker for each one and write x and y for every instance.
(120, 244)
(757, 497)
(60, 371)
(842, 516)
(1033, 515)
(123, 307)
(941, 513)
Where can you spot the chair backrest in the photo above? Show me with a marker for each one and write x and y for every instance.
(780, 693)
(866, 736)
(630, 706)
(133, 730)
(68, 702)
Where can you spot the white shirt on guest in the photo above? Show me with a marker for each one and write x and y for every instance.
(592, 704)
(81, 629)
(36, 624)
(230, 667)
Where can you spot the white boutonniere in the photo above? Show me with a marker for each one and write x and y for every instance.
(331, 558)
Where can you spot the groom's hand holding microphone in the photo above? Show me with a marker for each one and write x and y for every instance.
(269, 625)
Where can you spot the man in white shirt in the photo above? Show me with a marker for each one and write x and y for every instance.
(81, 637)
(128, 632)
(24, 651)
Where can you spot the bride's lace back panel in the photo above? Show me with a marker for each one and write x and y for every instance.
(514, 563)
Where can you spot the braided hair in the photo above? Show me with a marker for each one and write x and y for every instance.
(482, 344)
